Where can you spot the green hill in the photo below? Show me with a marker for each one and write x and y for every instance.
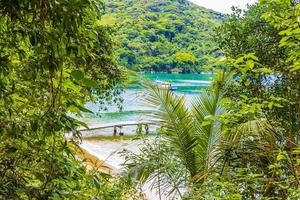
(162, 35)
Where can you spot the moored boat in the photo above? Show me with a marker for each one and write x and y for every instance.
(165, 85)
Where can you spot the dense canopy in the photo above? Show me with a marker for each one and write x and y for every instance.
(54, 57)
(237, 139)
(170, 35)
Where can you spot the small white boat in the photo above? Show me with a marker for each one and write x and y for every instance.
(165, 85)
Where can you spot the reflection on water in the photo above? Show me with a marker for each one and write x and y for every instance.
(134, 107)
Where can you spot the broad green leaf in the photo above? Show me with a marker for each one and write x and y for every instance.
(296, 151)
(77, 75)
(205, 123)
(264, 70)
(83, 109)
(278, 105)
(247, 83)
(270, 105)
(90, 83)
(82, 124)
(280, 157)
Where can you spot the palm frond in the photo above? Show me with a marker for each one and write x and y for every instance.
(192, 141)
(176, 121)
(254, 135)
(158, 165)
(205, 109)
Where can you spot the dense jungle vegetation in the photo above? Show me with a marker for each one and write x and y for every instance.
(239, 139)
(54, 57)
(160, 35)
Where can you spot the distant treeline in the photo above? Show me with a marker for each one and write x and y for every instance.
(169, 36)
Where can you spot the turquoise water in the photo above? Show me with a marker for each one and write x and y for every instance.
(134, 108)
(185, 83)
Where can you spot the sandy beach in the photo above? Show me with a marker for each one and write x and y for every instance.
(109, 152)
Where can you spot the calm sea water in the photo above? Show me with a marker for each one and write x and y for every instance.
(134, 107)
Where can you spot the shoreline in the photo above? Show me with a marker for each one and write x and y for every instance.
(109, 152)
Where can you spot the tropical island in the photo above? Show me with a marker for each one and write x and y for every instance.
(78, 122)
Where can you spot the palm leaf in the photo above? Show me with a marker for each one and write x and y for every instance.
(206, 108)
(177, 122)
(255, 136)
(191, 141)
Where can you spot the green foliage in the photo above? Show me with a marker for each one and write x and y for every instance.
(216, 188)
(264, 75)
(246, 184)
(184, 151)
(54, 57)
(260, 129)
(247, 33)
(288, 23)
(240, 140)
(156, 163)
(184, 57)
(162, 36)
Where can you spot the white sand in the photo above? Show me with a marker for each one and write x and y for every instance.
(108, 151)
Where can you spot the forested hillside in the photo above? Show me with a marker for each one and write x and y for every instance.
(162, 35)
